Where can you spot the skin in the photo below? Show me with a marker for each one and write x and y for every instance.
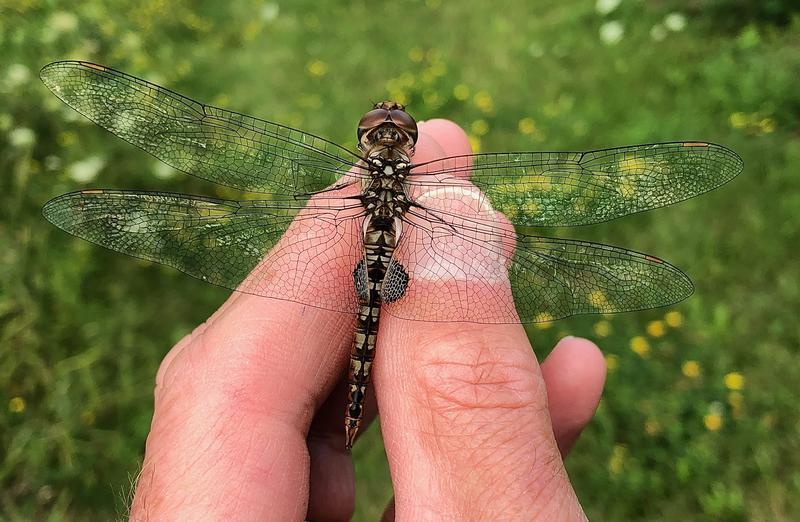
(249, 410)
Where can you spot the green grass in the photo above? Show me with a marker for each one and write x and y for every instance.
(82, 330)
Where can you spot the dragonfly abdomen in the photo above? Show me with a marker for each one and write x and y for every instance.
(379, 244)
(380, 240)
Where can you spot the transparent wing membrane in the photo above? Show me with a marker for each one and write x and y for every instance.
(579, 188)
(222, 146)
(241, 245)
(476, 274)
(459, 256)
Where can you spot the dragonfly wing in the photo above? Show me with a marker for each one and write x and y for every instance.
(274, 249)
(579, 188)
(460, 272)
(221, 146)
(553, 278)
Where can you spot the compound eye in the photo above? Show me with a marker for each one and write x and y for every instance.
(404, 120)
(371, 119)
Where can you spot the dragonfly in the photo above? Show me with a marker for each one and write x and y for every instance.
(370, 231)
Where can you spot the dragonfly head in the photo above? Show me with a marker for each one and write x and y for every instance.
(387, 124)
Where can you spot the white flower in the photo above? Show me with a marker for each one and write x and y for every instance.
(536, 50)
(86, 170)
(163, 171)
(675, 22)
(611, 32)
(658, 32)
(606, 6)
(21, 137)
(269, 12)
(62, 22)
(17, 74)
(52, 162)
(131, 41)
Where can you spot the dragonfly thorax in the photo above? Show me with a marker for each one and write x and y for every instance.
(383, 192)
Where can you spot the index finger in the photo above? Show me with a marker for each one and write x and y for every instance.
(463, 405)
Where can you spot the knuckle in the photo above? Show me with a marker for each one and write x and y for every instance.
(478, 385)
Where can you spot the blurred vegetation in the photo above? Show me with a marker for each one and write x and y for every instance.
(700, 415)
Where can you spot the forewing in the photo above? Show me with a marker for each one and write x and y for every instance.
(272, 249)
(463, 272)
(222, 146)
(579, 188)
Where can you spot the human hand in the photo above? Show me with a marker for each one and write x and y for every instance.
(248, 421)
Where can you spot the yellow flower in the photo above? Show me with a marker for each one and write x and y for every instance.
(652, 427)
(483, 100)
(612, 362)
(691, 369)
(416, 54)
(475, 143)
(713, 421)
(399, 96)
(640, 346)
(16, 405)
(543, 321)
(527, 126)
(617, 459)
(433, 55)
(738, 120)
(479, 127)
(317, 68)
(602, 328)
(461, 92)
(656, 328)
(251, 30)
(598, 299)
(767, 125)
(673, 319)
(734, 381)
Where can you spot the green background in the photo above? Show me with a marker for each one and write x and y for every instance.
(699, 418)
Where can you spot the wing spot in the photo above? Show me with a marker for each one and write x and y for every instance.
(94, 66)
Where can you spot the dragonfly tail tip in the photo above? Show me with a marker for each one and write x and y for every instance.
(350, 436)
